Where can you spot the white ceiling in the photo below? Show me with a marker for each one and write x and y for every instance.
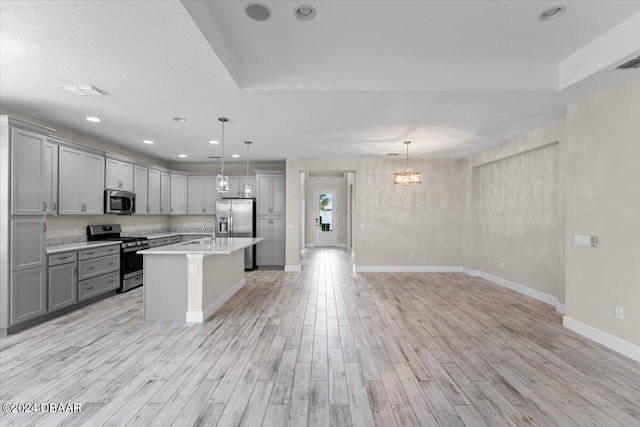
(363, 76)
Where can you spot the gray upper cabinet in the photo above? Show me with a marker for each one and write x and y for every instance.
(153, 195)
(178, 194)
(27, 243)
(202, 195)
(270, 194)
(165, 193)
(234, 187)
(141, 189)
(81, 182)
(27, 172)
(119, 175)
(50, 182)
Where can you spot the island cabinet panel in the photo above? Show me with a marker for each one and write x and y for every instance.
(27, 172)
(62, 285)
(28, 295)
(119, 175)
(154, 192)
(140, 187)
(179, 194)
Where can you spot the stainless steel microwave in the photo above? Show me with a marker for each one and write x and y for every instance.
(119, 202)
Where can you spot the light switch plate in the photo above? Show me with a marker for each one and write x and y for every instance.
(586, 241)
(194, 269)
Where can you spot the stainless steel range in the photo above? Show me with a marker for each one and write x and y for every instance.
(131, 263)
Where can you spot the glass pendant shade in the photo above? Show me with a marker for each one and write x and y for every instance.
(407, 178)
(247, 191)
(222, 184)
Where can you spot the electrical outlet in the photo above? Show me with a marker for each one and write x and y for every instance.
(619, 312)
(410, 254)
(194, 269)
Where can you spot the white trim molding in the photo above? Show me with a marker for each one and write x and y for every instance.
(343, 245)
(614, 343)
(201, 316)
(560, 308)
(405, 269)
(292, 268)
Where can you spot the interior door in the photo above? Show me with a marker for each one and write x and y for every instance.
(326, 202)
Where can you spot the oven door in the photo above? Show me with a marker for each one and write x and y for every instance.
(131, 261)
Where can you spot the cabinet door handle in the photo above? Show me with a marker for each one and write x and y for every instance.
(160, 209)
(75, 270)
(44, 206)
(55, 206)
(89, 253)
(112, 263)
(110, 281)
(44, 227)
(63, 257)
(89, 288)
(90, 268)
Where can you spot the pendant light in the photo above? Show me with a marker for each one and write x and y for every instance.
(407, 178)
(247, 189)
(222, 182)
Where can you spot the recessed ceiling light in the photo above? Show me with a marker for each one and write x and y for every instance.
(551, 13)
(214, 142)
(93, 119)
(257, 11)
(392, 154)
(305, 12)
(235, 156)
(182, 155)
(179, 119)
(147, 141)
(85, 90)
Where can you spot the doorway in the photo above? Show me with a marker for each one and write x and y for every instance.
(326, 220)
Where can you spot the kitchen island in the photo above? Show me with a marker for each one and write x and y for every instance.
(190, 281)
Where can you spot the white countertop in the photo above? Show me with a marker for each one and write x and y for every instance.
(178, 233)
(79, 246)
(221, 246)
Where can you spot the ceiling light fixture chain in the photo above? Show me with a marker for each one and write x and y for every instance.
(247, 189)
(222, 181)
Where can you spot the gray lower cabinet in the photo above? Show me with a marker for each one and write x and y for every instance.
(98, 285)
(28, 295)
(27, 243)
(153, 243)
(62, 285)
(270, 252)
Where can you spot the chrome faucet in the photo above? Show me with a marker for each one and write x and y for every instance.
(213, 234)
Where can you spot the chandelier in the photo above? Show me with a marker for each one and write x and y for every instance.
(222, 182)
(407, 177)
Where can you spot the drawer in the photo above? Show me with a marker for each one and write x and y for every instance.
(96, 266)
(98, 285)
(98, 252)
(176, 239)
(159, 242)
(63, 258)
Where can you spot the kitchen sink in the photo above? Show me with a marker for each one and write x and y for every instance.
(200, 242)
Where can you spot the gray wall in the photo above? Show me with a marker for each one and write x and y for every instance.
(514, 216)
(601, 164)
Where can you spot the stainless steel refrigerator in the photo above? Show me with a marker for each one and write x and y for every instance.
(237, 218)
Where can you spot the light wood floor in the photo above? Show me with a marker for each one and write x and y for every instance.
(324, 347)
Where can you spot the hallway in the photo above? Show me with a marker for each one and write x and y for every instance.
(324, 347)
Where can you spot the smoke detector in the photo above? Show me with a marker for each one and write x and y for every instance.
(305, 12)
(85, 90)
(257, 11)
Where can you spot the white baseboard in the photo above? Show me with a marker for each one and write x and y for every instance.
(560, 308)
(343, 245)
(405, 269)
(614, 343)
(540, 296)
(292, 268)
(310, 245)
(201, 316)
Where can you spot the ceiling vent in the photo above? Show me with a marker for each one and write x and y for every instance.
(215, 157)
(634, 63)
(85, 90)
(257, 12)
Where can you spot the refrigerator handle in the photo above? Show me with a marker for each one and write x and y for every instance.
(230, 223)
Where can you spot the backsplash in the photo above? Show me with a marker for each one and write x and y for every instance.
(65, 240)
